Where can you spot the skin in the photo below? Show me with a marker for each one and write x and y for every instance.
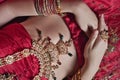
(94, 50)
(14, 8)
(50, 27)
(84, 15)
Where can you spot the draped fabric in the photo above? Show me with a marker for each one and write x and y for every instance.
(14, 38)
(79, 39)
(2, 1)
(110, 65)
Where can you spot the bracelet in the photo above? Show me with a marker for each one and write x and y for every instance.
(36, 4)
(58, 6)
(77, 76)
(47, 7)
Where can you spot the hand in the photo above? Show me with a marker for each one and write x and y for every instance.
(94, 51)
(85, 17)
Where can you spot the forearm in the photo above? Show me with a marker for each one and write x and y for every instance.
(14, 8)
(22, 7)
(70, 5)
(5, 14)
(89, 70)
(27, 7)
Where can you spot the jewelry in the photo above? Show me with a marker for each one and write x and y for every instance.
(77, 76)
(36, 4)
(58, 6)
(7, 76)
(47, 7)
(113, 39)
(104, 34)
(47, 54)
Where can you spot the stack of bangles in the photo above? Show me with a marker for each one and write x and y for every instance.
(47, 7)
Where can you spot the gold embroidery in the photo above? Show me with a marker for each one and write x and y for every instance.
(77, 76)
(110, 48)
(46, 52)
(15, 57)
(7, 76)
(53, 51)
(113, 39)
(107, 77)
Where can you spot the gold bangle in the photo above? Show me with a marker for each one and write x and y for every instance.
(37, 8)
(46, 7)
(77, 76)
(58, 6)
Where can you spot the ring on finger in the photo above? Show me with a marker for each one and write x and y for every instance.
(104, 34)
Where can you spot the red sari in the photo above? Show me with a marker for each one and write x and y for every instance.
(110, 65)
(14, 39)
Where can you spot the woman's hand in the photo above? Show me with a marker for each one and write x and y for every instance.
(85, 17)
(94, 51)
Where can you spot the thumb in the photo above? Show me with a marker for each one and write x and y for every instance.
(89, 45)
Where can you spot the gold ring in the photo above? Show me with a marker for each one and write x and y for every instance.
(104, 34)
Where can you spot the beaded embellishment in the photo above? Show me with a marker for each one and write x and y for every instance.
(113, 39)
(7, 76)
(47, 54)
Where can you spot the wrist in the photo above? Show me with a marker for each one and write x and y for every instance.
(65, 6)
(9, 8)
(70, 5)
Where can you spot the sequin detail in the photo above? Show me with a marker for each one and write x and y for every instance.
(113, 39)
(7, 76)
(47, 54)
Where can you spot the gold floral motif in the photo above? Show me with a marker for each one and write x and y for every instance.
(110, 48)
(77, 76)
(7, 76)
(45, 51)
(36, 78)
(48, 54)
(12, 58)
(107, 77)
(113, 39)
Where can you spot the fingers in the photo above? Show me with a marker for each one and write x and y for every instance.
(102, 24)
(102, 39)
(91, 41)
(100, 43)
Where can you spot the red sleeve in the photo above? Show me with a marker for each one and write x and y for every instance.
(13, 38)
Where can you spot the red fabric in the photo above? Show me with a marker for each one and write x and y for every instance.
(79, 39)
(19, 39)
(2, 1)
(14, 38)
(110, 65)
